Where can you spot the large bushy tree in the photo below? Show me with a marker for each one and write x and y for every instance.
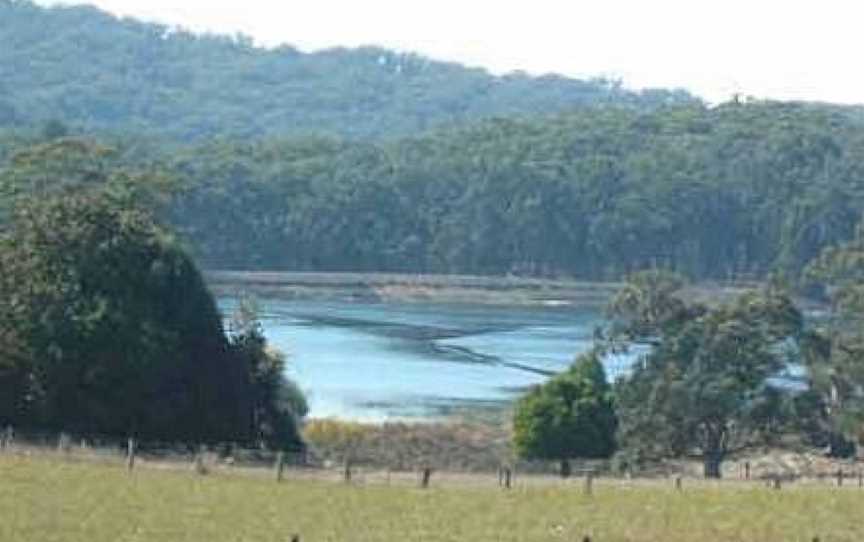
(570, 416)
(704, 387)
(111, 327)
(108, 328)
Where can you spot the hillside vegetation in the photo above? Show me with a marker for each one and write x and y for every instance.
(84, 67)
(365, 160)
(735, 191)
(739, 190)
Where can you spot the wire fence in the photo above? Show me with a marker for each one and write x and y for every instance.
(235, 459)
(130, 452)
(287, 467)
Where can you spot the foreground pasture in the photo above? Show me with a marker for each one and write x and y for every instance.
(43, 499)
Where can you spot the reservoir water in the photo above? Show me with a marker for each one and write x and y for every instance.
(377, 361)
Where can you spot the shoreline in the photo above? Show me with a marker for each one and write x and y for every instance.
(445, 289)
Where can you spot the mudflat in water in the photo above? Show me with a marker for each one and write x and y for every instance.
(375, 361)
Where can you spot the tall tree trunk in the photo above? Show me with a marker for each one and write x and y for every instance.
(565, 468)
(712, 463)
(714, 450)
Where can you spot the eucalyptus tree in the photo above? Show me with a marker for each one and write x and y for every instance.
(834, 353)
(704, 385)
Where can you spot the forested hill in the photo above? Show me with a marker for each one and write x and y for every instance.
(367, 160)
(736, 190)
(93, 71)
(741, 189)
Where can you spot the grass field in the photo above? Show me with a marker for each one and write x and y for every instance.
(43, 499)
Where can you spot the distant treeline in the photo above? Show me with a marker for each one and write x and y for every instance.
(82, 66)
(738, 190)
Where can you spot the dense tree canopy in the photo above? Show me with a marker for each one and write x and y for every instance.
(729, 192)
(734, 191)
(570, 416)
(116, 331)
(106, 327)
(86, 68)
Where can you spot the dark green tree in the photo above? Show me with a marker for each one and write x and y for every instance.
(570, 416)
(107, 327)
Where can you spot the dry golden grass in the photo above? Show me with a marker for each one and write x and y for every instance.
(46, 499)
(452, 446)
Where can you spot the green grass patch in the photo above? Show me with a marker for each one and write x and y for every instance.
(51, 500)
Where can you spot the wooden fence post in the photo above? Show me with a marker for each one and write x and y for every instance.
(840, 477)
(64, 443)
(7, 438)
(200, 467)
(679, 483)
(130, 454)
(860, 479)
(346, 473)
(746, 470)
(776, 482)
(508, 477)
(280, 466)
(424, 480)
(589, 483)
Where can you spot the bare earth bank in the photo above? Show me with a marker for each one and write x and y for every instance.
(491, 290)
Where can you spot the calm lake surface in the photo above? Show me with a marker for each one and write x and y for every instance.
(378, 361)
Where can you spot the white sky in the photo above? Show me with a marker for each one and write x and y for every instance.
(787, 49)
